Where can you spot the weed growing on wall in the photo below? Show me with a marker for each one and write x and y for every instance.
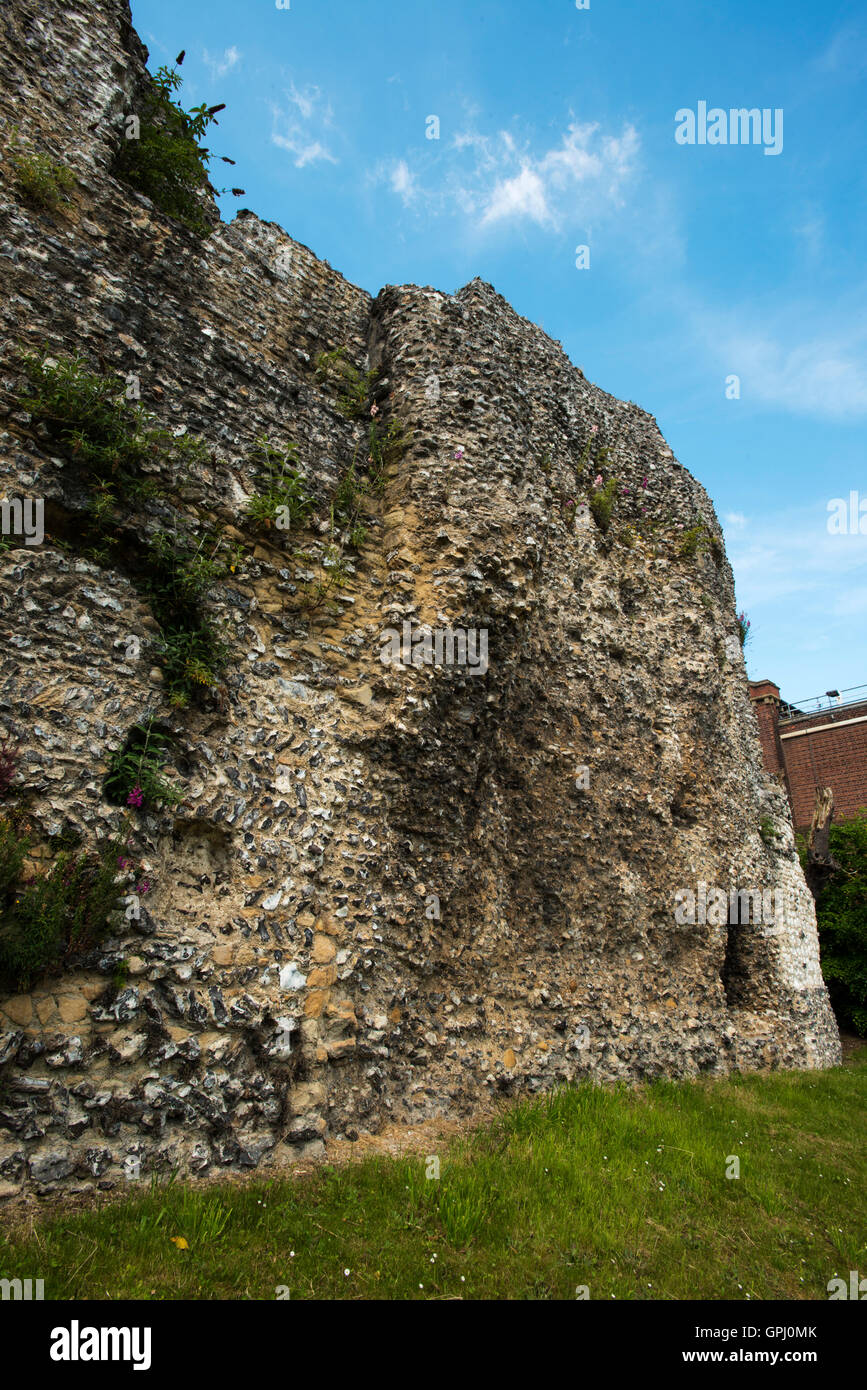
(50, 914)
(108, 443)
(841, 913)
(41, 180)
(698, 539)
(165, 160)
(8, 766)
(602, 501)
(282, 499)
(180, 572)
(135, 775)
(354, 387)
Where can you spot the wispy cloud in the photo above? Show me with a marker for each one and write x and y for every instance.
(219, 66)
(497, 179)
(824, 376)
(403, 181)
(791, 555)
(302, 124)
(845, 55)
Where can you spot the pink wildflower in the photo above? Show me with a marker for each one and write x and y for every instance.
(597, 481)
(136, 797)
(374, 409)
(459, 453)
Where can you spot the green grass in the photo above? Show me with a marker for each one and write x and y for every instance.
(620, 1190)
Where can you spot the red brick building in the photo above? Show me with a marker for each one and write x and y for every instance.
(825, 746)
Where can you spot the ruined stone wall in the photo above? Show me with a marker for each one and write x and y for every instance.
(388, 892)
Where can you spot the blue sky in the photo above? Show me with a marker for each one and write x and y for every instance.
(556, 130)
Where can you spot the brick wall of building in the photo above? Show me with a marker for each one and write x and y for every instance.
(807, 752)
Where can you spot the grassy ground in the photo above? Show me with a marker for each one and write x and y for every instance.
(624, 1191)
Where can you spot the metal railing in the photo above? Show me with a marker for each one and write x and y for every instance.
(824, 704)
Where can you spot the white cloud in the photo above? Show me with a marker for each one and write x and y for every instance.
(220, 66)
(306, 101)
(792, 555)
(402, 181)
(736, 519)
(521, 196)
(300, 126)
(582, 161)
(822, 376)
(495, 179)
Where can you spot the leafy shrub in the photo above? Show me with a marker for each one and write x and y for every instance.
(743, 628)
(841, 911)
(699, 538)
(110, 441)
(283, 499)
(386, 446)
(192, 652)
(167, 163)
(355, 386)
(107, 439)
(768, 831)
(8, 765)
(55, 912)
(693, 541)
(42, 181)
(135, 774)
(602, 503)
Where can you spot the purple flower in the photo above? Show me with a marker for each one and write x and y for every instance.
(136, 797)
(122, 863)
(144, 886)
(459, 453)
(644, 482)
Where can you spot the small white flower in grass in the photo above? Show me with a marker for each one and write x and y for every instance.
(346, 1273)
(292, 1254)
(421, 1286)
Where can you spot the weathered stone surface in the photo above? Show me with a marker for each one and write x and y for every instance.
(290, 976)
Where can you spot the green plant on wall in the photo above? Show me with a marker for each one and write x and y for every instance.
(51, 913)
(841, 913)
(354, 387)
(161, 155)
(282, 499)
(40, 179)
(181, 572)
(768, 832)
(135, 775)
(602, 501)
(106, 440)
(697, 539)
(108, 443)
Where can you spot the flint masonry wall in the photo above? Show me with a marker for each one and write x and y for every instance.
(286, 981)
